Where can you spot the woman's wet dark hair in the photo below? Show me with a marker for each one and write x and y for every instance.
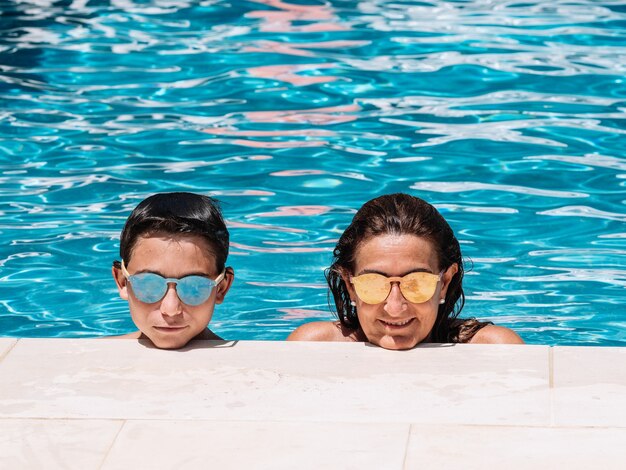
(402, 214)
(175, 214)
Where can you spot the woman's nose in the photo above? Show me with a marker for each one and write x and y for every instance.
(395, 303)
(170, 303)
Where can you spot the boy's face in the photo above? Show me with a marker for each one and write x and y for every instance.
(168, 322)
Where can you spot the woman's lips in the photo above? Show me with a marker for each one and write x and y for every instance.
(397, 324)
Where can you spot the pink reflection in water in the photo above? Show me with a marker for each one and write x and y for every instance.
(301, 313)
(244, 192)
(318, 17)
(289, 73)
(259, 249)
(278, 145)
(296, 285)
(289, 211)
(273, 47)
(328, 115)
(331, 242)
(272, 228)
(278, 133)
(298, 173)
(300, 132)
(299, 49)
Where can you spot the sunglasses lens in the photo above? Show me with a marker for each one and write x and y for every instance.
(415, 287)
(419, 287)
(371, 288)
(148, 287)
(191, 290)
(194, 290)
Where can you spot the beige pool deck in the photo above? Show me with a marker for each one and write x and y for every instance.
(120, 404)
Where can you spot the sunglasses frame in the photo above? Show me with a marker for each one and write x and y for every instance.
(399, 279)
(173, 280)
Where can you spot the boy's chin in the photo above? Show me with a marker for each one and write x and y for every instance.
(170, 341)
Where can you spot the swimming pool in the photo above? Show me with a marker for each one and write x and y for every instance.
(508, 116)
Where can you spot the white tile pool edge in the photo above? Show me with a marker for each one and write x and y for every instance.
(55, 392)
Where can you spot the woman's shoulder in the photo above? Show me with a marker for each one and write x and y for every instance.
(322, 331)
(492, 334)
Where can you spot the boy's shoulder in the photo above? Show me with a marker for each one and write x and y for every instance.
(133, 335)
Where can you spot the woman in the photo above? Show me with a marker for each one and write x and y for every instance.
(172, 272)
(396, 279)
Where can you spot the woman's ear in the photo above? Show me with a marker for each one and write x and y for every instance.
(224, 286)
(447, 278)
(345, 277)
(121, 282)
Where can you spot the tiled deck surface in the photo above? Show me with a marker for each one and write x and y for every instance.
(118, 404)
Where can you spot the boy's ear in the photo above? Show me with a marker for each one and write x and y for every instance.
(224, 286)
(121, 282)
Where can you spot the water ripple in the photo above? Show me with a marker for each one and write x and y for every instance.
(474, 186)
(584, 211)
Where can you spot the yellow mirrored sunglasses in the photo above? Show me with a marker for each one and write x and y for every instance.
(416, 287)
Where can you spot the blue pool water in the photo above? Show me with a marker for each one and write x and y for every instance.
(509, 116)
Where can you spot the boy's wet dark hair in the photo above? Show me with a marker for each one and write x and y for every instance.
(177, 213)
(403, 214)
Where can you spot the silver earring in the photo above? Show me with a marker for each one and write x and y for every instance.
(353, 303)
(442, 301)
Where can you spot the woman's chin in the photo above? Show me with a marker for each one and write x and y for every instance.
(397, 343)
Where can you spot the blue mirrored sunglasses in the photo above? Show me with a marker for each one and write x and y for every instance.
(191, 290)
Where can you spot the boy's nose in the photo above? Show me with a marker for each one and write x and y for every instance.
(395, 303)
(171, 304)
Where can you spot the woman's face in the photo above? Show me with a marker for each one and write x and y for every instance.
(397, 323)
(168, 322)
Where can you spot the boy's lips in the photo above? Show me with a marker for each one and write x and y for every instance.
(169, 329)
